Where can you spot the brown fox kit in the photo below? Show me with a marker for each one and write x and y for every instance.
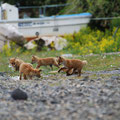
(70, 64)
(16, 62)
(28, 71)
(45, 61)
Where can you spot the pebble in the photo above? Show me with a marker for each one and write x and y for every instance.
(18, 94)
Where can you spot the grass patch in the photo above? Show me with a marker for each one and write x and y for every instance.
(95, 63)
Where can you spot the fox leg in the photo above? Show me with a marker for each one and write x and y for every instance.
(74, 71)
(56, 64)
(63, 68)
(67, 73)
(79, 72)
(15, 68)
(20, 76)
(51, 67)
(24, 76)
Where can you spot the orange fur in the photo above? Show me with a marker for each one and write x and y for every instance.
(12, 61)
(16, 62)
(70, 64)
(70, 72)
(28, 71)
(45, 61)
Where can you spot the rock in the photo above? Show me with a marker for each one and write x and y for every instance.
(54, 101)
(36, 85)
(2, 73)
(52, 42)
(18, 94)
(115, 77)
(43, 99)
(85, 78)
(30, 45)
(9, 32)
(79, 94)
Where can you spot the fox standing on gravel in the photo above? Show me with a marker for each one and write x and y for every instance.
(45, 61)
(70, 64)
(28, 71)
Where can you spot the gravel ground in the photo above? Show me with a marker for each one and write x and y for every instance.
(58, 97)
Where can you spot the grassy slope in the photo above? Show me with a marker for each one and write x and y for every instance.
(95, 63)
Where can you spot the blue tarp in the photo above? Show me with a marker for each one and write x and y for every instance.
(73, 15)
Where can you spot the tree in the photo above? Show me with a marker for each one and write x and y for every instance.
(103, 9)
(49, 11)
(98, 9)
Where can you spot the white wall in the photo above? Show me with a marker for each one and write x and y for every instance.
(10, 12)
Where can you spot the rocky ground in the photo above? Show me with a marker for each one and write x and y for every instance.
(93, 96)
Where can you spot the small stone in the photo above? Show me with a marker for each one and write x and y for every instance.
(78, 86)
(54, 101)
(18, 94)
(43, 99)
(36, 85)
(79, 94)
(85, 78)
(2, 74)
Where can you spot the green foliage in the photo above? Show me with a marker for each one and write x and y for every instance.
(115, 23)
(98, 9)
(6, 50)
(49, 11)
(88, 41)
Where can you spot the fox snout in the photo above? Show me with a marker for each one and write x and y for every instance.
(13, 63)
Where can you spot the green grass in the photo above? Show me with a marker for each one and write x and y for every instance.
(95, 63)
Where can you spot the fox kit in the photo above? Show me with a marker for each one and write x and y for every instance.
(28, 71)
(16, 62)
(44, 61)
(70, 64)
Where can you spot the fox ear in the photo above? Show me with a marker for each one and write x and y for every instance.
(60, 57)
(33, 56)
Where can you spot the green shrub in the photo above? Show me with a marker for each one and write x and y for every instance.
(88, 41)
